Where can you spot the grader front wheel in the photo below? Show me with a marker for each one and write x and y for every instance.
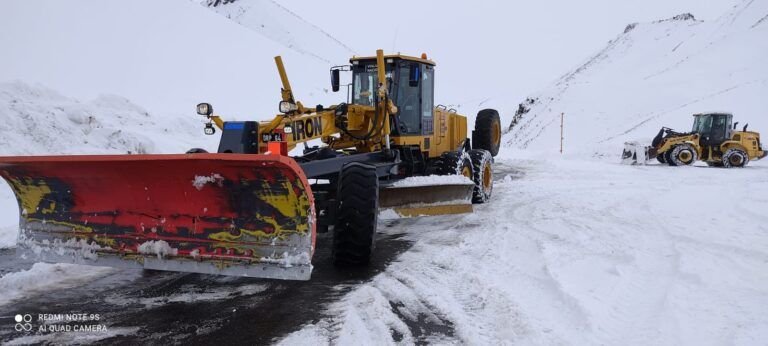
(355, 230)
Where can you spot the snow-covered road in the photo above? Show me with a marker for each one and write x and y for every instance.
(568, 252)
(578, 252)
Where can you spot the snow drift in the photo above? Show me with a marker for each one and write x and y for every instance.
(652, 75)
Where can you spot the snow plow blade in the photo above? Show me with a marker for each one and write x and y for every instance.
(227, 214)
(635, 153)
(427, 200)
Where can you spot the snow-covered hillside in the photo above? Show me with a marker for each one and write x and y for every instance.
(164, 55)
(653, 75)
(283, 26)
(37, 120)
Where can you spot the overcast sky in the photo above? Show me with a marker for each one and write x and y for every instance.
(515, 46)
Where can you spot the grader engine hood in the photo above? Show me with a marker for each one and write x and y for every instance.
(243, 215)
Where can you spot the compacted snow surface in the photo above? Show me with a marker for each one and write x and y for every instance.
(578, 252)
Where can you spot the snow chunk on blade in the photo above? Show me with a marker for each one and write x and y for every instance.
(160, 248)
(454, 179)
(253, 217)
(200, 181)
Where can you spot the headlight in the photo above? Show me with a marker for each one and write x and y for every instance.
(287, 107)
(204, 109)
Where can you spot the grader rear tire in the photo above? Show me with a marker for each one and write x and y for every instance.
(487, 133)
(355, 230)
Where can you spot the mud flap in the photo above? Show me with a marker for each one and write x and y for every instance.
(230, 214)
(635, 153)
(425, 200)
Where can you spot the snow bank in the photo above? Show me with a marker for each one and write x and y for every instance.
(43, 277)
(653, 75)
(165, 55)
(37, 120)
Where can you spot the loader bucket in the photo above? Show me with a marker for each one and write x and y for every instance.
(229, 214)
(635, 153)
(426, 200)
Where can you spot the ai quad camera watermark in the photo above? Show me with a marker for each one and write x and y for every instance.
(55, 323)
(23, 323)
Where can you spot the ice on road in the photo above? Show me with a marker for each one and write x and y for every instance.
(578, 252)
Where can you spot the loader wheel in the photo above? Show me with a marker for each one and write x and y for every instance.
(662, 158)
(487, 133)
(451, 163)
(482, 162)
(735, 158)
(357, 213)
(682, 155)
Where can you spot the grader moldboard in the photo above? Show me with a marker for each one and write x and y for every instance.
(713, 140)
(250, 209)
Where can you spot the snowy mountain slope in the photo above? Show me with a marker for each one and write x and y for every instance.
(283, 26)
(165, 55)
(652, 75)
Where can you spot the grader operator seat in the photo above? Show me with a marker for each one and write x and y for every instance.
(411, 88)
(714, 128)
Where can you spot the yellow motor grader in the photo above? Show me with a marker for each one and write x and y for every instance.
(713, 140)
(252, 210)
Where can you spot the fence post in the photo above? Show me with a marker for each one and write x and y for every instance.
(562, 115)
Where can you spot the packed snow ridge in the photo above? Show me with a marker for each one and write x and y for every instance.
(453, 179)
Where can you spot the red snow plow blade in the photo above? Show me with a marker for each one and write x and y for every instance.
(228, 214)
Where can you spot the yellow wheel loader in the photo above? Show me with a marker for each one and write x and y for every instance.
(252, 210)
(713, 140)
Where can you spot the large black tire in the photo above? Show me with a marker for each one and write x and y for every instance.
(735, 158)
(682, 155)
(355, 230)
(662, 158)
(487, 133)
(452, 162)
(482, 165)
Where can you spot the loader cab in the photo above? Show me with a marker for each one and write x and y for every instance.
(411, 87)
(714, 128)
